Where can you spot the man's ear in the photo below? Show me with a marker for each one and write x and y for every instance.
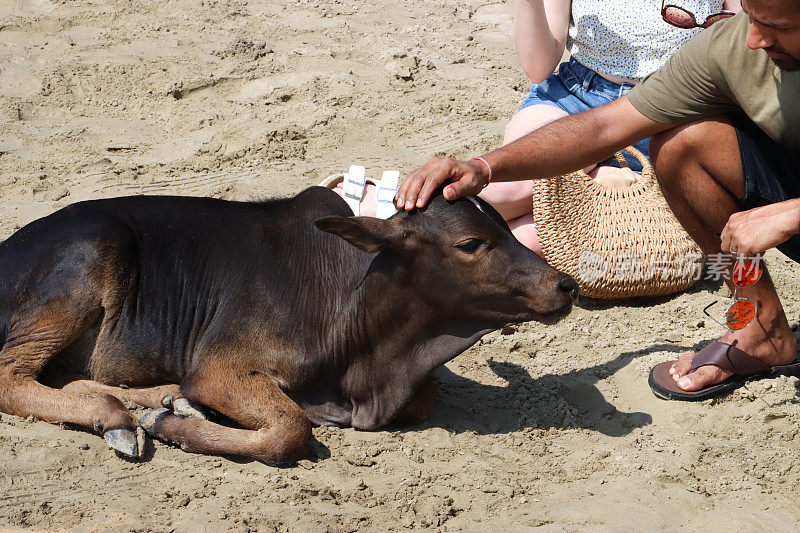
(366, 233)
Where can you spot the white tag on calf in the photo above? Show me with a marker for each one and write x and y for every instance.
(387, 189)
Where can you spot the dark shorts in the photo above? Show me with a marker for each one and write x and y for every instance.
(770, 174)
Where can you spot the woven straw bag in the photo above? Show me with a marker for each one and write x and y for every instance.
(618, 242)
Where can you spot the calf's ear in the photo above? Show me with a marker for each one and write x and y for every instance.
(366, 233)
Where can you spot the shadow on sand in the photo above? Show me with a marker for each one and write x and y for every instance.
(570, 400)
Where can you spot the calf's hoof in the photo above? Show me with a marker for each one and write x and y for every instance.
(128, 442)
(184, 409)
(151, 419)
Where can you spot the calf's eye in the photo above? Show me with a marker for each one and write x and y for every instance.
(470, 246)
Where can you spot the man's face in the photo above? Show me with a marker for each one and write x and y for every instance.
(775, 28)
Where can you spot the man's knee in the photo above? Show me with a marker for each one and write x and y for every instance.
(688, 140)
(699, 143)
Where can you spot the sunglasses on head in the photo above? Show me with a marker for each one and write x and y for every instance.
(681, 18)
(746, 272)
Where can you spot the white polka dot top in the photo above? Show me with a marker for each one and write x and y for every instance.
(629, 39)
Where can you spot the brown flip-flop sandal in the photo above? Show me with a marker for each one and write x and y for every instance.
(725, 356)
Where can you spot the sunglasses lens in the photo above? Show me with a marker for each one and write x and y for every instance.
(716, 18)
(746, 273)
(740, 314)
(679, 17)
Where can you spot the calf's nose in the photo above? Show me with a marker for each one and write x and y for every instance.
(568, 285)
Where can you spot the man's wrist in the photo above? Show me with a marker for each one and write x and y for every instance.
(487, 169)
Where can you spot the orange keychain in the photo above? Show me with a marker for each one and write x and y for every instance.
(741, 312)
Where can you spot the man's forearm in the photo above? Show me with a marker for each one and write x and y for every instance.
(572, 143)
(562, 146)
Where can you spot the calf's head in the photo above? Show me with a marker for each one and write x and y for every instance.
(462, 259)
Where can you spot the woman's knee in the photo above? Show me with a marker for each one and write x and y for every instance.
(513, 199)
(509, 192)
(531, 118)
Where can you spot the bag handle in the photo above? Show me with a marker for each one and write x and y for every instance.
(635, 153)
(623, 163)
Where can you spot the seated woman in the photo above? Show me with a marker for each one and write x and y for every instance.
(613, 44)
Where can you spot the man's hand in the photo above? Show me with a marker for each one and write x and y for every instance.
(465, 177)
(755, 231)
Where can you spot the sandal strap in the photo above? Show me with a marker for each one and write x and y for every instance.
(353, 187)
(387, 189)
(730, 358)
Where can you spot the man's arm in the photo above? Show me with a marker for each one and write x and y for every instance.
(562, 146)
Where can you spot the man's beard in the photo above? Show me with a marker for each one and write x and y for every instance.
(787, 65)
(790, 64)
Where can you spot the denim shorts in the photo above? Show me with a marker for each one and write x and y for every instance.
(769, 174)
(576, 88)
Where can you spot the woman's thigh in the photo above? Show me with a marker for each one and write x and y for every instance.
(531, 118)
(512, 199)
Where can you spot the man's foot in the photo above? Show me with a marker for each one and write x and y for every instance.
(772, 346)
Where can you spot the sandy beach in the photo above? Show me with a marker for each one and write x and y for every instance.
(536, 427)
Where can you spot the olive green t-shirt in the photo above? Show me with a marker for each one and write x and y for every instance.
(716, 73)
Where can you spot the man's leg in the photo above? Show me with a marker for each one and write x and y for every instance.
(700, 173)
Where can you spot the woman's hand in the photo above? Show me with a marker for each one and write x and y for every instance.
(465, 177)
(755, 231)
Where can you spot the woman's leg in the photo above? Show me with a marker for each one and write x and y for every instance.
(368, 205)
(513, 199)
(524, 230)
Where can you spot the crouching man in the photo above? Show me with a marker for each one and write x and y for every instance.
(724, 114)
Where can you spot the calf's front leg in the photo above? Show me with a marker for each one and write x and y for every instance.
(153, 397)
(277, 430)
(419, 407)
